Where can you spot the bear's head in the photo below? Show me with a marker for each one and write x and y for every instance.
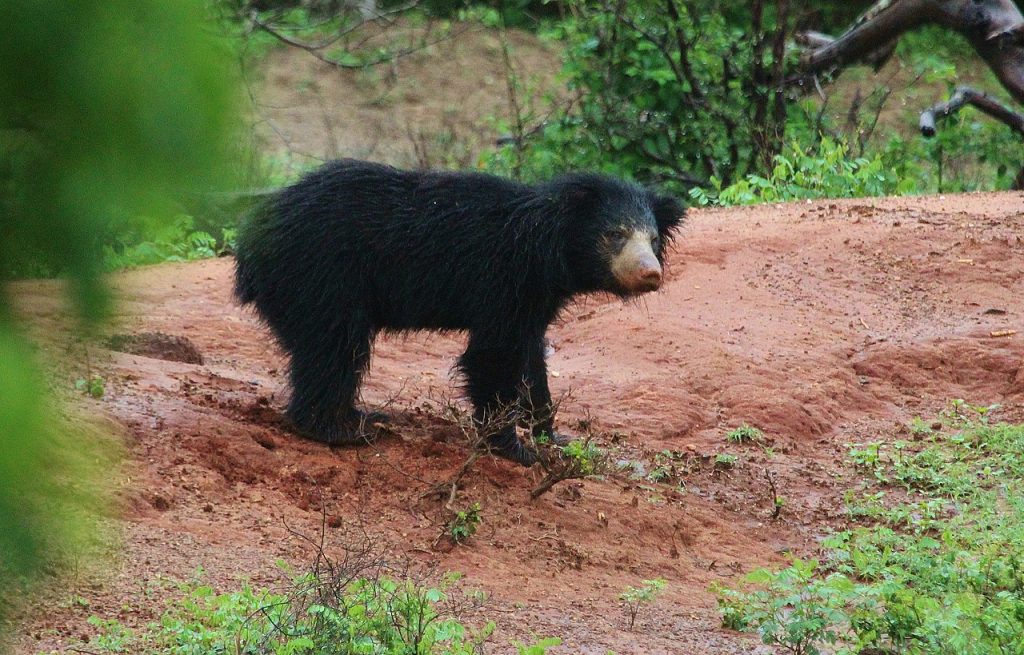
(617, 233)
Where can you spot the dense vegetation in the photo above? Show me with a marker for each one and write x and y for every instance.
(708, 100)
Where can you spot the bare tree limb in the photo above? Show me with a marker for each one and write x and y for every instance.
(315, 49)
(876, 58)
(994, 28)
(883, 23)
(965, 95)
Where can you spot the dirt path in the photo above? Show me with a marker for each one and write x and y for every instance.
(821, 324)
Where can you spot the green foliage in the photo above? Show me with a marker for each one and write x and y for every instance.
(585, 457)
(52, 476)
(465, 523)
(132, 109)
(801, 173)
(365, 615)
(661, 96)
(724, 461)
(539, 648)
(938, 571)
(636, 597)
(798, 611)
(175, 241)
(745, 434)
(94, 386)
(677, 92)
(109, 108)
(968, 153)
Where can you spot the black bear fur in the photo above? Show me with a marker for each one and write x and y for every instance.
(355, 248)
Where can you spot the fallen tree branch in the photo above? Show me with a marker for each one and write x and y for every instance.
(965, 95)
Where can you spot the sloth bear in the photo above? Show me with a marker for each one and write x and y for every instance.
(355, 248)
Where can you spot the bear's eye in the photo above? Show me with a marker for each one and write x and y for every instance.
(617, 235)
(655, 241)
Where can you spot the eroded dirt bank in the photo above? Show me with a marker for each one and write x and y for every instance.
(821, 324)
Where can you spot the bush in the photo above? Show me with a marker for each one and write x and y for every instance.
(690, 94)
(321, 614)
(668, 93)
(801, 174)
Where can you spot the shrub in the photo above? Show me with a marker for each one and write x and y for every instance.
(801, 173)
(665, 92)
(319, 614)
(636, 597)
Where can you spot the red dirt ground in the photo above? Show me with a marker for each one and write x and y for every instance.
(822, 324)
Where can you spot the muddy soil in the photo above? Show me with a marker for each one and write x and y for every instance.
(820, 323)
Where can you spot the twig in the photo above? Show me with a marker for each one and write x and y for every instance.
(776, 504)
(965, 95)
(314, 49)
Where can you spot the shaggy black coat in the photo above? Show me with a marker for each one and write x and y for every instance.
(355, 248)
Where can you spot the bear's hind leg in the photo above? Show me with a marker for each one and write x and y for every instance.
(325, 376)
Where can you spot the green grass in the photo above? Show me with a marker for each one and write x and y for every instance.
(744, 434)
(932, 560)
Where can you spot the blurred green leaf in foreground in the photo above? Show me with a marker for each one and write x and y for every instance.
(108, 109)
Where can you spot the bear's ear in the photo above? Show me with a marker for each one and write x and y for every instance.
(668, 213)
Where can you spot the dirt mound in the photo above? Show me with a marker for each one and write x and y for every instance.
(157, 345)
(821, 324)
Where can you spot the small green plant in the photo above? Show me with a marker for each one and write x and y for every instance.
(465, 523)
(919, 426)
(580, 458)
(659, 474)
(113, 636)
(94, 385)
(799, 612)
(868, 457)
(745, 434)
(539, 648)
(586, 457)
(633, 598)
(961, 412)
(725, 461)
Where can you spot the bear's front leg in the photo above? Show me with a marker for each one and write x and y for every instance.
(535, 398)
(494, 371)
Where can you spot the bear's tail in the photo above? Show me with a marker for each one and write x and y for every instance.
(252, 238)
(246, 289)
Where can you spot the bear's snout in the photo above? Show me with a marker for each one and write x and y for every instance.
(649, 277)
(636, 267)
